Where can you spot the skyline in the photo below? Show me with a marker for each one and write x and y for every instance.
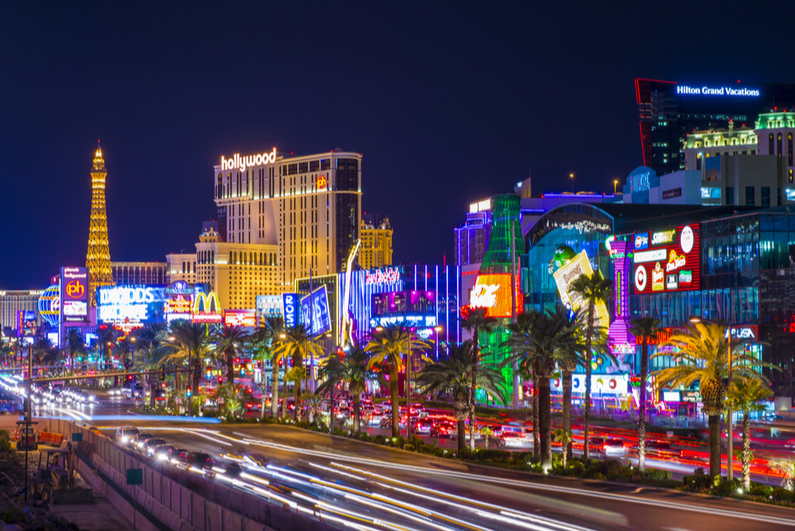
(442, 118)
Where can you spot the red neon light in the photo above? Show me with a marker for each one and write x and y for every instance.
(493, 292)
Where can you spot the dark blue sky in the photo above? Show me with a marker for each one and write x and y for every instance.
(449, 102)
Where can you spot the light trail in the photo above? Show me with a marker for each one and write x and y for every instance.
(529, 485)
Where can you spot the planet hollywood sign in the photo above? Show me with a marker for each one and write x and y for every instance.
(238, 162)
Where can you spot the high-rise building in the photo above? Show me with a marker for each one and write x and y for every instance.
(236, 272)
(14, 301)
(98, 255)
(376, 250)
(139, 272)
(670, 110)
(308, 206)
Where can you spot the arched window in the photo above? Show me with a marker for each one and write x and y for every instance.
(778, 144)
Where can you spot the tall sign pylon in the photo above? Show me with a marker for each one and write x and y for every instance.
(98, 255)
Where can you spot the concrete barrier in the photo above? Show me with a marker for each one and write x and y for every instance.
(168, 498)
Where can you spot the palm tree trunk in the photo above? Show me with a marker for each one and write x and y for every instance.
(587, 405)
(462, 433)
(566, 384)
(297, 389)
(274, 388)
(393, 388)
(357, 413)
(230, 368)
(644, 371)
(473, 388)
(746, 451)
(714, 445)
(151, 383)
(545, 418)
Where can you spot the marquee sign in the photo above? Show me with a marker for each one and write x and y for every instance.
(133, 305)
(237, 162)
(382, 276)
(576, 267)
(74, 294)
(493, 292)
(672, 261)
(206, 308)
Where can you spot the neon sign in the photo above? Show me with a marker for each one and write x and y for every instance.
(666, 236)
(238, 162)
(720, 91)
(385, 276)
(480, 206)
(576, 267)
(321, 182)
(641, 241)
(206, 308)
(493, 292)
(673, 261)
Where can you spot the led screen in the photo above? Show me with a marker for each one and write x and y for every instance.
(671, 262)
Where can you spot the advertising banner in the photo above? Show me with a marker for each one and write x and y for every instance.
(131, 306)
(568, 273)
(670, 262)
(493, 292)
(290, 309)
(314, 312)
(74, 294)
(269, 306)
(206, 308)
(240, 318)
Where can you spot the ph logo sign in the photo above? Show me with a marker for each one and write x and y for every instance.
(75, 289)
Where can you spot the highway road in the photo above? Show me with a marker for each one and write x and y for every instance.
(351, 483)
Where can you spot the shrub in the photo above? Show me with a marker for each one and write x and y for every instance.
(5, 441)
(379, 439)
(783, 495)
(761, 490)
(409, 447)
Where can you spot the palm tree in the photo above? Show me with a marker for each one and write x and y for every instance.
(297, 344)
(646, 329)
(44, 353)
(786, 465)
(592, 289)
(703, 353)
(744, 395)
(358, 374)
(542, 339)
(454, 374)
(386, 347)
(75, 345)
(333, 372)
(564, 437)
(476, 322)
(191, 342)
(269, 335)
(151, 356)
(230, 342)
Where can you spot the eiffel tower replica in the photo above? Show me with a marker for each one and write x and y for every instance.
(98, 255)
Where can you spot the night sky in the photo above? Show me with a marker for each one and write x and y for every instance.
(449, 102)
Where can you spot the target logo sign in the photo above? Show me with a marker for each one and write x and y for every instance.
(640, 278)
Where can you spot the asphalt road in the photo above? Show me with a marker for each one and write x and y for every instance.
(363, 483)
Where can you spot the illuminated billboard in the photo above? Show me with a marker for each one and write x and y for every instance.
(290, 307)
(240, 318)
(493, 292)
(26, 323)
(74, 294)
(568, 273)
(671, 262)
(131, 306)
(315, 314)
(269, 306)
(206, 309)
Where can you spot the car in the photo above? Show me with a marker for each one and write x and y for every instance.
(253, 406)
(139, 440)
(150, 445)
(596, 446)
(161, 451)
(115, 393)
(173, 454)
(444, 428)
(416, 408)
(139, 390)
(192, 459)
(125, 434)
(228, 468)
(423, 426)
(386, 422)
(374, 418)
(660, 449)
(614, 448)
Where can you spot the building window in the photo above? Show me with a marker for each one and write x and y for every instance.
(770, 149)
(789, 149)
(789, 177)
(698, 161)
(750, 199)
(778, 144)
(765, 197)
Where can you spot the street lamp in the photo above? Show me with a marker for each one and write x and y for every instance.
(729, 414)
(615, 184)
(571, 176)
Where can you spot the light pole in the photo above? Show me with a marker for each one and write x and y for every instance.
(571, 176)
(132, 366)
(615, 184)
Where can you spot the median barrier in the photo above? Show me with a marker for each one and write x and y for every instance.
(170, 498)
